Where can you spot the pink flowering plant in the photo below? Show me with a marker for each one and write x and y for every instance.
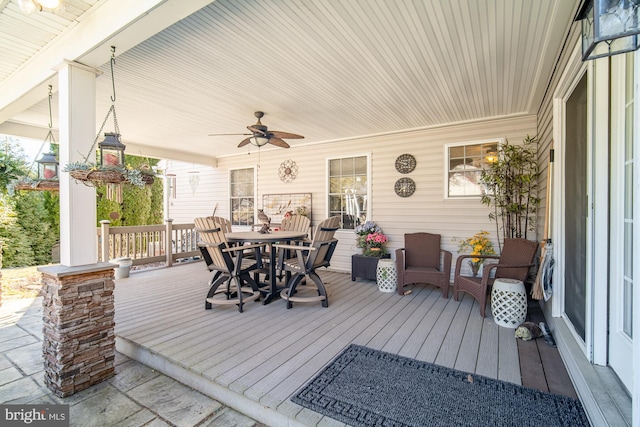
(371, 239)
(364, 230)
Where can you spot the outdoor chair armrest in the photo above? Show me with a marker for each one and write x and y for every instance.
(295, 247)
(447, 256)
(492, 266)
(463, 257)
(244, 247)
(400, 259)
(486, 272)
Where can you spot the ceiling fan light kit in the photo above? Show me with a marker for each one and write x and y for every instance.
(259, 141)
(261, 135)
(31, 6)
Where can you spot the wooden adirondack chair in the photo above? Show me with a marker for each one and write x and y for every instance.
(223, 223)
(307, 259)
(295, 223)
(229, 266)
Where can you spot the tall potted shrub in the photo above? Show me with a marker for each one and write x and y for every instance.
(511, 187)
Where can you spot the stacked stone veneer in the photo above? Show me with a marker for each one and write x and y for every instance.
(78, 327)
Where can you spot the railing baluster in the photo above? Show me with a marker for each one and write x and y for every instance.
(151, 243)
(169, 254)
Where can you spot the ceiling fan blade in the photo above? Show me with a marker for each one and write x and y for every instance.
(229, 134)
(285, 135)
(244, 142)
(256, 130)
(278, 142)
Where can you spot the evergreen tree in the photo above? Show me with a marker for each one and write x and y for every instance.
(13, 162)
(16, 249)
(32, 217)
(30, 220)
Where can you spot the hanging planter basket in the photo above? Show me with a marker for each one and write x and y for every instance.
(40, 185)
(93, 176)
(99, 177)
(110, 170)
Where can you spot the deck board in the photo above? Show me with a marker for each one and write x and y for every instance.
(453, 339)
(433, 342)
(422, 331)
(263, 355)
(508, 362)
(487, 363)
(467, 357)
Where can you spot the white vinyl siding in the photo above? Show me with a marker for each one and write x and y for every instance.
(426, 210)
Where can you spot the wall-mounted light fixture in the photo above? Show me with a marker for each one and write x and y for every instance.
(609, 27)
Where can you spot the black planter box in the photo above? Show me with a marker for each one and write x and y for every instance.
(365, 266)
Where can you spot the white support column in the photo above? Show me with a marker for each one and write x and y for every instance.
(77, 116)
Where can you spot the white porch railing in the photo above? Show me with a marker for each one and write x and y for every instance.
(147, 243)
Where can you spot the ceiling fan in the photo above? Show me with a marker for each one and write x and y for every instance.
(260, 135)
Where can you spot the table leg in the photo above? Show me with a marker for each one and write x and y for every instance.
(272, 276)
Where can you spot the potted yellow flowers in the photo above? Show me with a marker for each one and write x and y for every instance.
(479, 244)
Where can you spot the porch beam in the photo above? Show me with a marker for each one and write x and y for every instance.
(122, 23)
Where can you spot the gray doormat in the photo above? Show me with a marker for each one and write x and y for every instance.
(366, 387)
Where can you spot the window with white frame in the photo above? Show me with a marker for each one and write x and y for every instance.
(242, 198)
(349, 190)
(464, 164)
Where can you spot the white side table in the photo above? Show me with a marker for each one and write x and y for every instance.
(509, 302)
(124, 267)
(386, 275)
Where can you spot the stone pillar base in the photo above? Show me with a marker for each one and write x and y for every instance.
(78, 326)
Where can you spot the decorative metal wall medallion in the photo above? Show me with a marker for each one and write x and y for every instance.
(288, 171)
(405, 187)
(405, 163)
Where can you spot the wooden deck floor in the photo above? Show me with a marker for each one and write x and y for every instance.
(254, 361)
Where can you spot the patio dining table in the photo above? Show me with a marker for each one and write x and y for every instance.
(268, 238)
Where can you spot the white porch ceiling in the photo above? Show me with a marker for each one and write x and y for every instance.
(326, 69)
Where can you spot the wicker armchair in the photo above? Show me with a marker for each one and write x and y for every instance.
(514, 263)
(420, 262)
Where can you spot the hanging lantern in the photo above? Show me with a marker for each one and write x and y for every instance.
(111, 150)
(111, 168)
(609, 27)
(47, 166)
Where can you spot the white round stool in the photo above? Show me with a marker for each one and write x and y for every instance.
(509, 302)
(386, 275)
(124, 267)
